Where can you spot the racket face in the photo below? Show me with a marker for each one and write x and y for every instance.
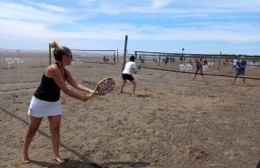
(105, 86)
(138, 68)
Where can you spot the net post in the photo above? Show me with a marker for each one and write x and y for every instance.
(219, 60)
(125, 49)
(117, 55)
(159, 59)
(49, 54)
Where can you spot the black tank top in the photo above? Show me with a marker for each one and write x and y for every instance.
(48, 89)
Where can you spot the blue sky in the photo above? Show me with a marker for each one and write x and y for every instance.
(199, 26)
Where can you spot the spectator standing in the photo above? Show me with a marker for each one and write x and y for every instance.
(241, 69)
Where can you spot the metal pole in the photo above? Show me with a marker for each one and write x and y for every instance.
(159, 59)
(219, 59)
(125, 50)
(117, 55)
(49, 54)
(182, 55)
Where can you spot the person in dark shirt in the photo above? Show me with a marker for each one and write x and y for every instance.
(240, 69)
(46, 100)
(199, 67)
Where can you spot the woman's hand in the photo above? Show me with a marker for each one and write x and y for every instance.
(86, 97)
(133, 71)
(91, 91)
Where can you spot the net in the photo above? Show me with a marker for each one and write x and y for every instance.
(94, 56)
(213, 64)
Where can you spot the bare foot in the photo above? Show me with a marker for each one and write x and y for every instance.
(26, 161)
(59, 159)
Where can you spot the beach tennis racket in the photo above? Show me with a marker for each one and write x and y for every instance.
(139, 68)
(104, 86)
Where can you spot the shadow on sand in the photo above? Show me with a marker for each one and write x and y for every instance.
(68, 164)
(82, 164)
(126, 164)
(144, 95)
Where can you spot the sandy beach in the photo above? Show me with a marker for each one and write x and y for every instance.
(173, 122)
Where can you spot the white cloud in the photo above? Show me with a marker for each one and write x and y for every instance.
(168, 6)
(157, 20)
(160, 3)
(45, 6)
(16, 11)
(25, 29)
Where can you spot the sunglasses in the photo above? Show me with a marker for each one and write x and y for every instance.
(69, 55)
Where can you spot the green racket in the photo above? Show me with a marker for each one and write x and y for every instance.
(139, 68)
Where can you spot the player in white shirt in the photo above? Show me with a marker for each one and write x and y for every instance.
(129, 69)
(235, 63)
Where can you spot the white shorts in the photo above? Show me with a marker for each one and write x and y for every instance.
(41, 108)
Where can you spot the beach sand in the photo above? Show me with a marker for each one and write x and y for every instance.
(173, 122)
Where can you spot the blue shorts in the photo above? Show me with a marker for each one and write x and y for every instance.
(240, 72)
(127, 77)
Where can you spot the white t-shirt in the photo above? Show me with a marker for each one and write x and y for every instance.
(128, 67)
(234, 61)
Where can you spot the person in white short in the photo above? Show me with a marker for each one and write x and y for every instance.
(129, 69)
(46, 100)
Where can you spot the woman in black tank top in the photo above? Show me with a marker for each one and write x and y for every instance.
(47, 97)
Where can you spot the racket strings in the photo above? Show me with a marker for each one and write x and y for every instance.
(105, 86)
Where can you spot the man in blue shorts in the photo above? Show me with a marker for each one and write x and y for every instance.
(241, 69)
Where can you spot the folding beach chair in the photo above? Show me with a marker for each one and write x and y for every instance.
(9, 62)
(182, 67)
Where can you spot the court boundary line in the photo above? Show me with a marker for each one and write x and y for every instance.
(82, 157)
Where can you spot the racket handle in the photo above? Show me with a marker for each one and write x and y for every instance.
(91, 91)
(87, 97)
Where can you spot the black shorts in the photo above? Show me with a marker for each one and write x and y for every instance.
(127, 77)
(199, 67)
